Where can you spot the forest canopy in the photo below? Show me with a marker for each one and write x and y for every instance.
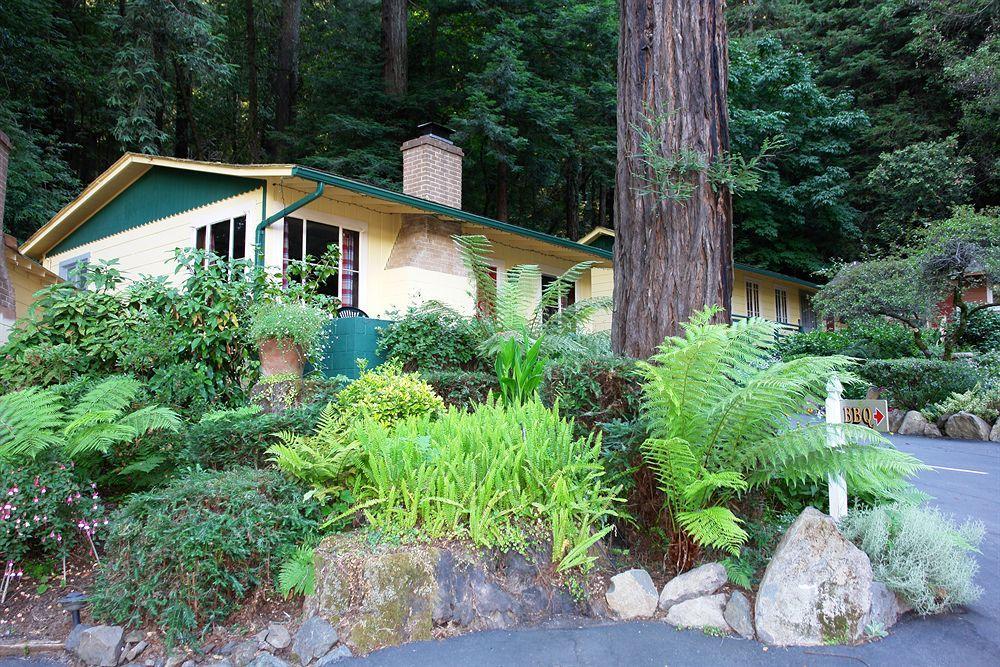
(888, 109)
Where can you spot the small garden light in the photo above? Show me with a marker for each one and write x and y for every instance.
(73, 603)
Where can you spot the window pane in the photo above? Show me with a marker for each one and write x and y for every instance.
(350, 275)
(552, 309)
(319, 237)
(220, 239)
(293, 239)
(240, 237)
(199, 238)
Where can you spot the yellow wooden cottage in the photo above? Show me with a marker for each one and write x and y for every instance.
(396, 247)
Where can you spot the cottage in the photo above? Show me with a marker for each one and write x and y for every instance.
(396, 248)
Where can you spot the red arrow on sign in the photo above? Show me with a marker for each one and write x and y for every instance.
(878, 416)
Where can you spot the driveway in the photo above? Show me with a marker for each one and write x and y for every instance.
(965, 481)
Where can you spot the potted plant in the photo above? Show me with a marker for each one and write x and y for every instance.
(284, 334)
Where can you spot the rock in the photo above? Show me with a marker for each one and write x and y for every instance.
(336, 655)
(244, 652)
(134, 636)
(73, 639)
(932, 431)
(632, 594)
(737, 615)
(136, 650)
(227, 648)
(314, 639)
(966, 426)
(995, 433)
(101, 645)
(697, 583)
(886, 607)
(817, 587)
(702, 612)
(277, 635)
(913, 424)
(267, 660)
(188, 663)
(174, 660)
(895, 419)
(218, 663)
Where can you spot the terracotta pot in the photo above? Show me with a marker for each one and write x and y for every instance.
(281, 357)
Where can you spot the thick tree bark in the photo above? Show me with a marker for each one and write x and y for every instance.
(253, 98)
(287, 81)
(672, 258)
(394, 50)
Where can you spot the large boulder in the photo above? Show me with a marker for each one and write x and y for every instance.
(697, 583)
(966, 426)
(101, 645)
(914, 423)
(932, 431)
(995, 433)
(702, 612)
(817, 587)
(632, 594)
(895, 419)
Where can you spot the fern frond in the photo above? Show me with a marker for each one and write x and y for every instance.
(715, 527)
(297, 574)
(30, 422)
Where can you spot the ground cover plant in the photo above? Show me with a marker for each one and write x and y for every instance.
(718, 409)
(919, 553)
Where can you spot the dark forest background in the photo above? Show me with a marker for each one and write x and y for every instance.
(888, 109)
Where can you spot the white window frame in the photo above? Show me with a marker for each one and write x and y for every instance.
(546, 273)
(67, 264)
(307, 215)
(753, 298)
(208, 218)
(781, 303)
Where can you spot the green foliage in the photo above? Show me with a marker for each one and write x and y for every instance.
(913, 384)
(297, 575)
(492, 476)
(982, 332)
(181, 558)
(984, 403)
(719, 410)
(746, 569)
(865, 339)
(47, 509)
(919, 553)
(38, 420)
(387, 394)
(293, 322)
(594, 390)
(462, 389)
(325, 461)
(519, 370)
(429, 337)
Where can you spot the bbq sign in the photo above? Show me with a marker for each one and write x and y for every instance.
(873, 414)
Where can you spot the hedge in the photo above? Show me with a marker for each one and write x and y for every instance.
(914, 384)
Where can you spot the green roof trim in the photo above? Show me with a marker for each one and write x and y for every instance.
(159, 193)
(317, 175)
(775, 274)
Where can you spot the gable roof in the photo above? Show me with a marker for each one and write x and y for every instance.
(132, 166)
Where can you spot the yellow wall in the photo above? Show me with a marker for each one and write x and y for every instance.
(27, 278)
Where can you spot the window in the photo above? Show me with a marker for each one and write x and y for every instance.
(225, 238)
(781, 305)
(567, 299)
(308, 238)
(71, 268)
(753, 299)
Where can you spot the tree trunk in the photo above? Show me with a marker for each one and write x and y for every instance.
(253, 98)
(671, 258)
(571, 197)
(287, 82)
(503, 191)
(394, 17)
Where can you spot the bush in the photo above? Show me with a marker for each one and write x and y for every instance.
(594, 390)
(914, 384)
(387, 394)
(287, 321)
(868, 339)
(46, 509)
(982, 333)
(183, 557)
(429, 337)
(984, 403)
(462, 389)
(919, 553)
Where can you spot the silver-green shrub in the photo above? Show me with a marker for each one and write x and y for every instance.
(919, 553)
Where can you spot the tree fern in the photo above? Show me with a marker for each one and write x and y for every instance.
(721, 414)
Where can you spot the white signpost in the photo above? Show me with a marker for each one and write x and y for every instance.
(835, 415)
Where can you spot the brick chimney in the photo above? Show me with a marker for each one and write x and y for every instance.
(432, 166)
(7, 312)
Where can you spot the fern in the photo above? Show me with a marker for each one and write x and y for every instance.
(297, 574)
(720, 409)
(324, 460)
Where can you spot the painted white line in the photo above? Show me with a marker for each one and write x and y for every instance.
(972, 472)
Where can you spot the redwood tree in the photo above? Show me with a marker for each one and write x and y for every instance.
(673, 252)
(394, 51)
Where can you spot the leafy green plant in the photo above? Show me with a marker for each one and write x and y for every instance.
(387, 394)
(913, 384)
(719, 412)
(297, 323)
(512, 306)
(984, 403)
(519, 370)
(430, 336)
(492, 475)
(181, 558)
(919, 553)
(324, 461)
(594, 389)
(462, 388)
(36, 420)
(297, 574)
(867, 339)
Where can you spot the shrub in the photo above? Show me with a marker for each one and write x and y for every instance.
(387, 394)
(46, 509)
(183, 557)
(462, 388)
(594, 390)
(984, 403)
(913, 384)
(298, 323)
(867, 339)
(719, 413)
(982, 333)
(919, 553)
(431, 336)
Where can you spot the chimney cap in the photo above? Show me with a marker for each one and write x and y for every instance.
(435, 130)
